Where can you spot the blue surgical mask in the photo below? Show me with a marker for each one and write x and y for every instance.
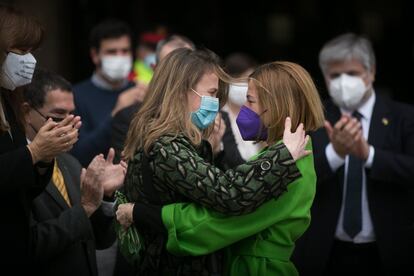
(207, 112)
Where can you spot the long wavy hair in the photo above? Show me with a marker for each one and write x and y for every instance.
(17, 31)
(286, 89)
(165, 109)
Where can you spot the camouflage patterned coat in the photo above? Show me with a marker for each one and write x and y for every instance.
(182, 172)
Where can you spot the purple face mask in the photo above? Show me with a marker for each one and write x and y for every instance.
(250, 125)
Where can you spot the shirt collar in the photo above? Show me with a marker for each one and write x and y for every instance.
(365, 109)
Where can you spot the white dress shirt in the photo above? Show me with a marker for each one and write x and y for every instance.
(367, 233)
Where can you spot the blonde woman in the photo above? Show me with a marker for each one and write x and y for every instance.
(169, 160)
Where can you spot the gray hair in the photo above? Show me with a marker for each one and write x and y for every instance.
(178, 41)
(346, 47)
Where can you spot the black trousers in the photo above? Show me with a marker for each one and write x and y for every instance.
(353, 259)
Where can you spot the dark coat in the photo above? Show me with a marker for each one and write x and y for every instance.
(390, 191)
(20, 183)
(64, 238)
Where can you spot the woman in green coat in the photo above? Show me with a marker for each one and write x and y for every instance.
(168, 164)
(262, 242)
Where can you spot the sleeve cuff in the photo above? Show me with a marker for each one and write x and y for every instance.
(335, 161)
(148, 217)
(370, 159)
(108, 208)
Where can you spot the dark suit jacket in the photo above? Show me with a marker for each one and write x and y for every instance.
(390, 191)
(19, 184)
(230, 157)
(63, 236)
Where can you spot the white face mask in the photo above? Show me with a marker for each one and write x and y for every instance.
(17, 70)
(347, 91)
(116, 68)
(238, 93)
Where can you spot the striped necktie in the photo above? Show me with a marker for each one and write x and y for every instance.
(59, 182)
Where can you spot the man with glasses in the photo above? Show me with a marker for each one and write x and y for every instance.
(68, 221)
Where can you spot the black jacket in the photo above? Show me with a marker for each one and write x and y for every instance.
(64, 238)
(19, 184)
(230, 156)
(390, 191)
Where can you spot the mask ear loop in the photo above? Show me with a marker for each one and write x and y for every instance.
(196, 92)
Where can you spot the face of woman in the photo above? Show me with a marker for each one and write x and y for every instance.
(252, 99)
(18, 51)
(17, 68)
(207, 86)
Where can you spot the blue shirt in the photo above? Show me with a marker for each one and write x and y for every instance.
(94, 102)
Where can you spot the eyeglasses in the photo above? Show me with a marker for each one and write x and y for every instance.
(54, 119)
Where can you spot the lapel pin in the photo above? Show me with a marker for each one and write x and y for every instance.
(385, 121)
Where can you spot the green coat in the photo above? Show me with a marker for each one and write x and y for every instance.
(259, 243)
(182, 172)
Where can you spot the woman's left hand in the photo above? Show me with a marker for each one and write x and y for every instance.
(296, 141)
(124, 214)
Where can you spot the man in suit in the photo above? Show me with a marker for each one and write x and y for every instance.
(362, 216)
(68, 220)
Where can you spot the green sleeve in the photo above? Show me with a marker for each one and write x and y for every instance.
(233, 192)
(196, 230)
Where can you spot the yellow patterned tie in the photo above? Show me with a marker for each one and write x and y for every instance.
(59, 182)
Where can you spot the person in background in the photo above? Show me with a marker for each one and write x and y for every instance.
(67, 218)
(25, 169)
(169, 44)
(100, 97)
(235, 150)
(123, 119)
(146, 56)
(362, 216)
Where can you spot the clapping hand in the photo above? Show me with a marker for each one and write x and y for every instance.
(113, 175)
(91, 185)
(54, 138)
(346, 136)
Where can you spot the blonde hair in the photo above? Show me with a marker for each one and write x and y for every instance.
(165, 107)
(287, 90)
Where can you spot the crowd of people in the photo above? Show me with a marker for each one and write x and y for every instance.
(169, 161)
